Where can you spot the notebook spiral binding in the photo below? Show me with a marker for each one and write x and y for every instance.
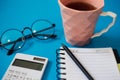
(58, 63)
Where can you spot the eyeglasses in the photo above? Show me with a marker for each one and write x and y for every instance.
(14, 39)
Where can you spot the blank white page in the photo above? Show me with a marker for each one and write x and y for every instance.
(99, 62)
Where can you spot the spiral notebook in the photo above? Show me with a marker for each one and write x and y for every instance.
(99, 62)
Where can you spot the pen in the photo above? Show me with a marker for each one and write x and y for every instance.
(77, 62)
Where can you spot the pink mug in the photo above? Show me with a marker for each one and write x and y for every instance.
(79, 19)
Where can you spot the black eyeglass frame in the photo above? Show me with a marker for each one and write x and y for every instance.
(24, 37)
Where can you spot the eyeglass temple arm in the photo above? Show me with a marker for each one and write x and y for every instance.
(47, 35)
(11, 50)
(53, 25)
(35, 34)
(18, 40)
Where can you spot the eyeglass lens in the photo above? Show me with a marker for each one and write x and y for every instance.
(42, 27)
(12, 35)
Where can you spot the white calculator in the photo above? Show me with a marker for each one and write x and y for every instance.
(26, 67)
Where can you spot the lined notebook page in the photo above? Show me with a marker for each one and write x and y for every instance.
(99, 62)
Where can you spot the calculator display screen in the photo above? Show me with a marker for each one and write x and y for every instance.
(28, 64)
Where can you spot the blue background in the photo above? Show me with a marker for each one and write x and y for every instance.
(21, 13)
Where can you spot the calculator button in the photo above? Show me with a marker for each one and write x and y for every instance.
(17, 72)
(9, 75)
(21, 77)
(24, 74)
(27, 78)
(11, 71)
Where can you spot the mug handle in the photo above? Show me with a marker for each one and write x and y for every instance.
(111, 14)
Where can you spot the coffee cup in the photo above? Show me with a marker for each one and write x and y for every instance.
(79, 19)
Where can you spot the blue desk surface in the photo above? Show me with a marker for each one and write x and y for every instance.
(21, 13)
